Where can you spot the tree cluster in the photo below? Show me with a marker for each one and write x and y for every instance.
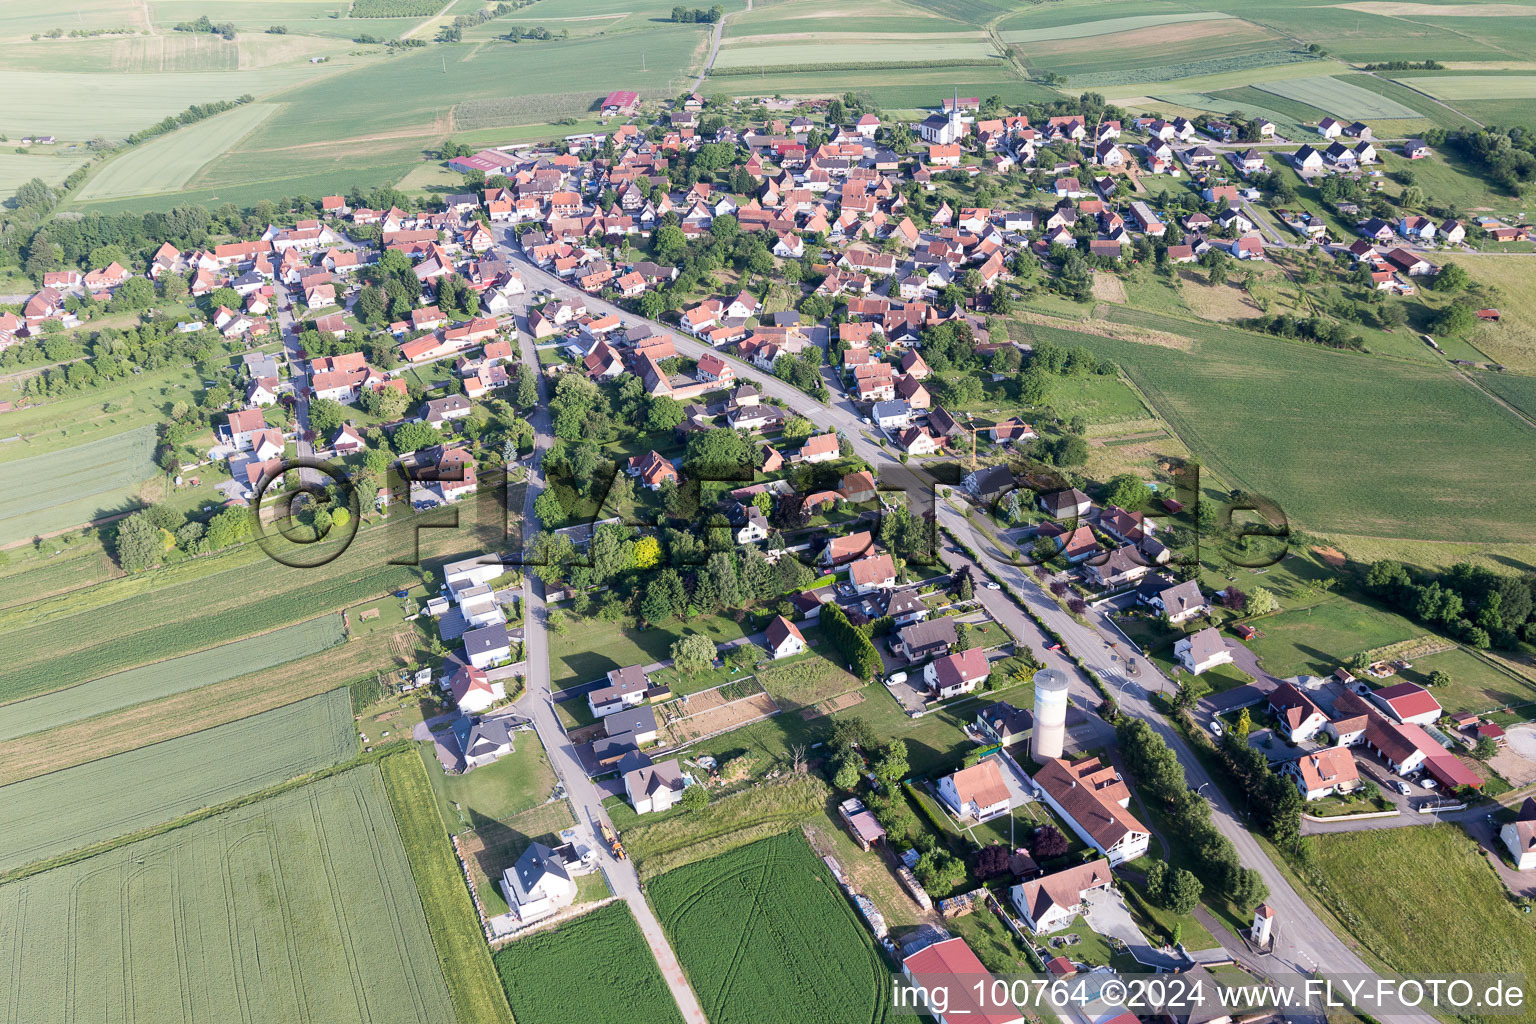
(1477, 606)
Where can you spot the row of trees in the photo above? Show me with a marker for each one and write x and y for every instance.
(1157, 769)
(1478, 606)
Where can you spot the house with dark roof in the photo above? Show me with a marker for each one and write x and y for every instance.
(920, 641)
(538, 885)
(625, 688)
(654, 787)
(1300, 719)
(1004, 724)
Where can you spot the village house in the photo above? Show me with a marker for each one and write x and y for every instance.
(1408, 703)
(539, 885)
(977, 793)
(1300, 719)
(1053, 901)
(626, 688)
(1092, 799)
(783, 638)
(920, 640)
(955, 674)
(1202, 651)
(1324, 772)
(654, 787)
(952, 967)
(1519, 836)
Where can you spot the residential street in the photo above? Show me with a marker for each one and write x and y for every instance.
(1304, 943)
(538, 705)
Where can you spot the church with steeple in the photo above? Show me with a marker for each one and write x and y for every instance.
(942, 129)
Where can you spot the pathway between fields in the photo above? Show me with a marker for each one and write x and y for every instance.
(714, 48)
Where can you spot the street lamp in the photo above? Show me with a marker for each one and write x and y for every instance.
(1201, 788)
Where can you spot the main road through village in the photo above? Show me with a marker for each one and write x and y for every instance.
(1304, 944)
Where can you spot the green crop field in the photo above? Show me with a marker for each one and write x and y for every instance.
(1315, 430)
(1518, 391)
(394, 8)
(1240, 67)
(595, 968)
(907, 90)
(1204, 42)
(101, 800)
(1106, 26)
(70, 487)
(472, 983)
(164, 678)
(1474, 87)
(17, 169)
(73, 100)
(151, 616)
(1340, 98)
(300, 907)
(753, 52)
(765, 935)
(168, 163)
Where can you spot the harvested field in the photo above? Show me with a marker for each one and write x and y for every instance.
(720, 719)
(1108, 288)
(1216, 302)
(115, 796)
(167, 678)
(1043, 325)
(300, 907)
(765, 935)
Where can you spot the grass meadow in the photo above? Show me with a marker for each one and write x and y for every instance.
(297, 907)
(103, 800)
(451, 918)
(776, 51)
(165, 678)
(17, 169)
(1461, 901)
(199, 603)
(596, 967)
(1316, 430)
(764, 934)
(168, 163)
(66, 488)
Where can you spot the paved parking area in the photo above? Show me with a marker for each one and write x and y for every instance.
(1104, 911)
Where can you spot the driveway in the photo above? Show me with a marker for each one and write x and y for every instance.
(1105, 912)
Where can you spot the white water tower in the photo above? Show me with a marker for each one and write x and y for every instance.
(1050, 733)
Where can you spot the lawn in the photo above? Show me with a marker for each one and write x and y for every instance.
(163, 679)
(1097, 398)
(102, 800)
(1476, 685)
(1512, 341)
(595, 968)
(764, 934)
(451, 917)
(168, 163)
(51, 492)
(1317, 640)
(493, 792)
(1266, 414)
(1460, 902)
(297, 907)
(589, 648)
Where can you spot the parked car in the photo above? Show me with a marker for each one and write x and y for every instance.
(1216, 726)
(1402, 787)
(895, 678)
(993, 586)
(1429, 784)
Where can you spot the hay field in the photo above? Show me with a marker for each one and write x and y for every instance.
(1512, 341)
(165, 678)
(17, 169)
(168, 164)
(300, 907)
(69, 487)
(1339, 98)
(102, 800)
